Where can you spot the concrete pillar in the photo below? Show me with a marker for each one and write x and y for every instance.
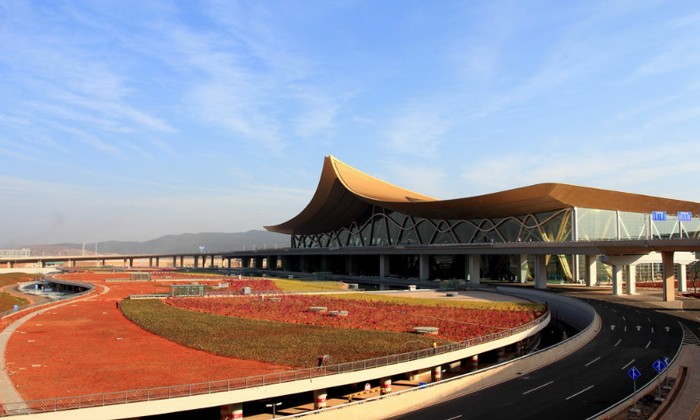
(320, 396)
(617, 279)
(437, 373)
(540, 272)
(385, 386)
(591, 270)
(669, 278)
(231, 411)
(9, 264)
(474, 271)
(71, 263)
(632, 279)
(174, 262)
(474, 363)
(424, 267)
(384, 268)
(351, 264)
(522, 272)
(501, 355)
(682, 280)
(150, 261)
(576, 268)
(157, 262)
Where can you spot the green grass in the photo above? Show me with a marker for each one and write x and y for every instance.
(14, 278)
(267, 341)
(7, 301)
(306, 286)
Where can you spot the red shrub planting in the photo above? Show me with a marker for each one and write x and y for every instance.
(454, 323)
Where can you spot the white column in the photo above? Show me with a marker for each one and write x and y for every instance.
(384, 269)
(617, 279)
(522, 273)
(682, 284)
(424, 267)
(474, 269)
(669, 289)
(632, 279)
(591, 270)
(540, 272)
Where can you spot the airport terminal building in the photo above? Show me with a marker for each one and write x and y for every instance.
(356, 216)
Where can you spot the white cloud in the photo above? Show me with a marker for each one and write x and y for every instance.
(417, 132)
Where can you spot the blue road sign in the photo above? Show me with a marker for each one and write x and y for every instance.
(658, 365)
(658, 216)
(666, 361)
(685, 216)
(634, 373)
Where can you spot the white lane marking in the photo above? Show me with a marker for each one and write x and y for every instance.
(648, 344)
(648, 319)
(579, 393)
(455, 417)
(637, 311)
(652, 330)
(625, 328)
(539, 387)
(614, 310)
(618, 342)
(592, 361)
(624, 319)
(627, 365)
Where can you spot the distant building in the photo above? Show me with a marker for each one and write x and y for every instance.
(15, 253)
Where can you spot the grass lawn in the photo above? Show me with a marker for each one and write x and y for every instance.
(268, 341)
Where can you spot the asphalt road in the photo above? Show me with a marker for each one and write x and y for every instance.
(581, 385)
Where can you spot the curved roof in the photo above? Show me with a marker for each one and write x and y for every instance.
(344, 194)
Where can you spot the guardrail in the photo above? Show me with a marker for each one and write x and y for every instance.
(176, 391)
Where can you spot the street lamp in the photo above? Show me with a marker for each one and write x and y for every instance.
(274, 405)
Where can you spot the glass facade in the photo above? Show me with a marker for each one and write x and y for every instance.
(382, 227)
(595, 224)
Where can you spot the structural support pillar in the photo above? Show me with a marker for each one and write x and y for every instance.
(320, 396)
(424, 267)
(437, 373)
(231, 411)
(501, 355)
(632, 279)
(540, 272)
(522, 272)
(474, 363)
(669, 278)
(474, 271)
(617, 279)
(385, 386)
(591, 270)
(682, 280)
(384, 267)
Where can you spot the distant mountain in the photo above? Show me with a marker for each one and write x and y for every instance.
(171, 244)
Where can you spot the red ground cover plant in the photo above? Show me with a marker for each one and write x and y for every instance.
(454, 323)
(88, 346)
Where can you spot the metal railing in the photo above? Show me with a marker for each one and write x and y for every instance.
(176, 391)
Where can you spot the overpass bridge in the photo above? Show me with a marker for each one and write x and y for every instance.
(375, 261)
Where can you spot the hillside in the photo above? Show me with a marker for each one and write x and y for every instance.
(187, 242)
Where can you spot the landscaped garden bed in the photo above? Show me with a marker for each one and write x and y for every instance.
(292, 331)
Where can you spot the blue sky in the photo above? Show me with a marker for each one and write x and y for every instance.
(129, 120)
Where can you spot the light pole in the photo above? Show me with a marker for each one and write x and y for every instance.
(273, 405)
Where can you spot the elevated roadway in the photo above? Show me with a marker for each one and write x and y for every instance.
(585, 383)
